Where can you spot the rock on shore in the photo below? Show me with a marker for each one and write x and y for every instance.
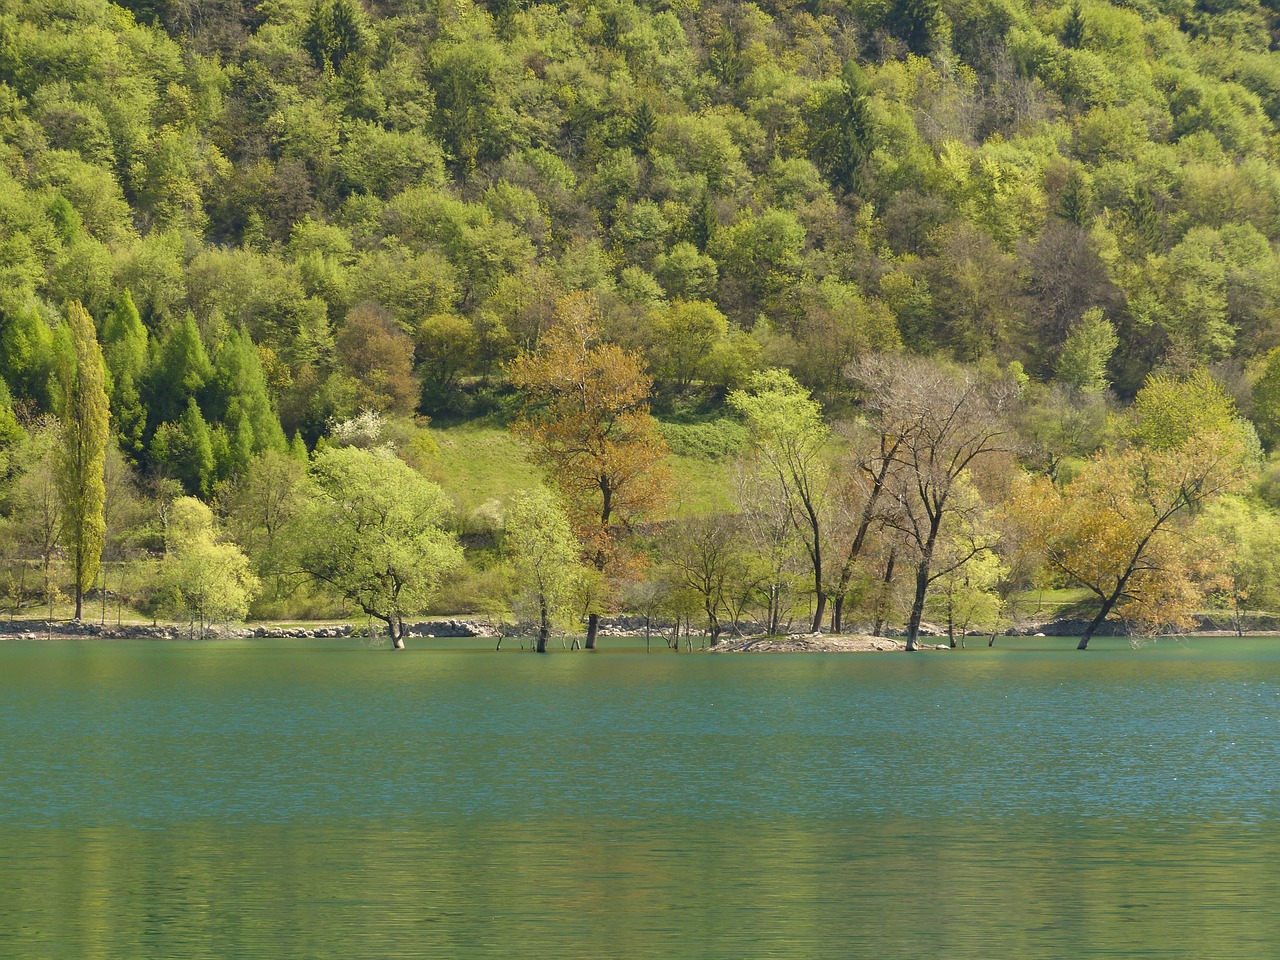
(819, 643)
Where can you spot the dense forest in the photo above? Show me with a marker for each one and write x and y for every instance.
(956, 301)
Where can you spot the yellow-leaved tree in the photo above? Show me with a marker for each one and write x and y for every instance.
(1114, 528)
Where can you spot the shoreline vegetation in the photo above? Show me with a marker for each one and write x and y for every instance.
(830, 318)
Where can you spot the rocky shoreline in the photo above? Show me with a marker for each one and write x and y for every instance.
(41, 629)
(820, 643)
(620, 626)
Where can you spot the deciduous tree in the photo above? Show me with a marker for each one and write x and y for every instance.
(1113, 529)
(707, 556)
(544, 558)
(203, 579)
(587, 420)
(378, 356)
(376, 534)
(790, 440)
(1246, 563)
(263, 509)
(949, 421)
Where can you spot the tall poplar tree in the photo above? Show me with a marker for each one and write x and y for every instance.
(84, 414)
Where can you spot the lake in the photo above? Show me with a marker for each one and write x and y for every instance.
(316, 799)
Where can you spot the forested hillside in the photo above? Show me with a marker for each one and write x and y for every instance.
(296, 220)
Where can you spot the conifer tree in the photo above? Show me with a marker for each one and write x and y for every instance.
(26, 354)
(841, 128)
(1073, 29)
(124, 349)
(185, 449)
(237, 396)
(178, 374)
(644, 125)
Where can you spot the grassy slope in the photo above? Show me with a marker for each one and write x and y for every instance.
(479, 464)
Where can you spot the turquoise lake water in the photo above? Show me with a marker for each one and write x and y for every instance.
(314, 799)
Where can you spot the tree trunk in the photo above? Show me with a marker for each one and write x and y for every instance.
(922, 583)
(917, 605)
(544, 627)
(1096, 622)
(395, 627)
(819, 611)
(885, 582)
(593, 627)
(837, 614)
(815, 558)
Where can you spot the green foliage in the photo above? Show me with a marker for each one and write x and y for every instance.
(263, 509)
(285, 219)
(375, 534)
(1266, 400)
(687, 335)
(203, 580)
(124, 348)
(84, 431)
(1089, 345)
(237, 397)
(718, 439)
(183, 449)
(544, 558)
(1248, 568)
(26, 349)
(333, 33)
(178, 375)
(11, 432)
(840, 127)
(1170, 410)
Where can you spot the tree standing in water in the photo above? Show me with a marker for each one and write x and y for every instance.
(1115, 528)
(949, 422)
(376, 534)
(544, 556)
(587, 421)
(790, 439)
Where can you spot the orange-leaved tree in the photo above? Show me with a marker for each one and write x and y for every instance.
(587, 421)
(1117, 528)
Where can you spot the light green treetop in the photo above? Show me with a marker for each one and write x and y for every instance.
(544, 556)
(790, 438)
(376, 534)
(203, 580)
(1089, 345)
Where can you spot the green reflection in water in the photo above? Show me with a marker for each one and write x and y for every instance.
(323, 800)
(565, 888)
